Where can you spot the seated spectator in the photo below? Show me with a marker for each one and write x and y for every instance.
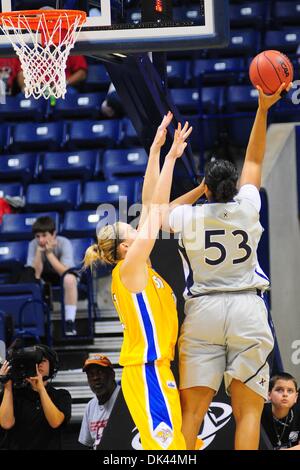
(51, 256)
(281, 416)
(33, 415)
(11, 75)
(101, 379)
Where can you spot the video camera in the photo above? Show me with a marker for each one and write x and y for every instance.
(23, 365)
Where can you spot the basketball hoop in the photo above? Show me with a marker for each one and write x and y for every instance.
(42, 39)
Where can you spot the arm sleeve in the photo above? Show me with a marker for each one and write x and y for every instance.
(179, 217)
(250, 193)
(67, 255)
(31, 253)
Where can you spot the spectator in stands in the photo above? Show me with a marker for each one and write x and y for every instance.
(281, 416)
(34, 415)
(11, 76)
(101, 379)
(51, 256)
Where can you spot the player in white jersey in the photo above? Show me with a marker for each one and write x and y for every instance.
(226, 332)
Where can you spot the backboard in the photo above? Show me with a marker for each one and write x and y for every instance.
(123, 26)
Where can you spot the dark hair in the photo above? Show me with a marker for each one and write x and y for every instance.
(281, 376)
(221, 178)
(52, 357)
(44, 224)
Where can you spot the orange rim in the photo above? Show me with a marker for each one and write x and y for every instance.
(33, 17)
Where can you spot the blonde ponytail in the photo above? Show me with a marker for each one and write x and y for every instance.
(104, 251)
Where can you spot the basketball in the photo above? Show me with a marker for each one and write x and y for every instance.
(269, 70)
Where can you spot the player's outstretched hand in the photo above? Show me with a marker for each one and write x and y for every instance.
(266, 101)
(161, 133)
(179, 140)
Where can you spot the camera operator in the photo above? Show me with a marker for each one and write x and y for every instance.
(34, 413)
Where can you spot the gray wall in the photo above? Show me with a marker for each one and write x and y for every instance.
(280, 181)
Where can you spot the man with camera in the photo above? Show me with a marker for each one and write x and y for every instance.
(32, 412)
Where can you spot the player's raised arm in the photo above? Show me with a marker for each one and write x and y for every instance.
(153, 165)
(133, 272)
(252, 168)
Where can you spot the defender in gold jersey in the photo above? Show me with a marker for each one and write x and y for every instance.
(146, 304)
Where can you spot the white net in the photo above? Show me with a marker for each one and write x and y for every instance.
(43, 52)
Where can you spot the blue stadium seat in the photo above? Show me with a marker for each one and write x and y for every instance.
(11, 189)
(221, 70)
(247, 14)
(177, 73)
(188, 100)
(107, 192)
(241, 98)
(80, 245)
(19, 108)
(97, 78)
(13, 255)
(130, 162)
(13, 252)
(242, 43)
(23, 167)
(24, 302)
(78, 105)
(53, 196)
(287, 12)
(239, 129)
(19, 226)
(5, 132)
(93, 134)
(84, 223)
(79, 164)
(287, 41)
(129, 136)
(287, 110)
(36, 136)
(206, 130)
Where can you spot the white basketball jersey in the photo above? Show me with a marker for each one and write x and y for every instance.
(218, 244)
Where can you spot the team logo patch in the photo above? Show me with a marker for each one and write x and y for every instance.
(163, 434)
(171, 384)
(262, 382)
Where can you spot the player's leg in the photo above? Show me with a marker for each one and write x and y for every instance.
(249, 344)
(201, 361)
(152, 398)
(195, 402)
(247, 408)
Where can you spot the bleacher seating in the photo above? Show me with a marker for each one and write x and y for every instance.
(107, 192)
(19, 226)
(97, 78)
(93, 134)
(37, 136)
(30, 314)
(60, 195)
(79, 164)
(78, 105)
(84, 223)
(128, 137)
(21, 167)
(122, 162)
(11, 189)
(19, 108)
